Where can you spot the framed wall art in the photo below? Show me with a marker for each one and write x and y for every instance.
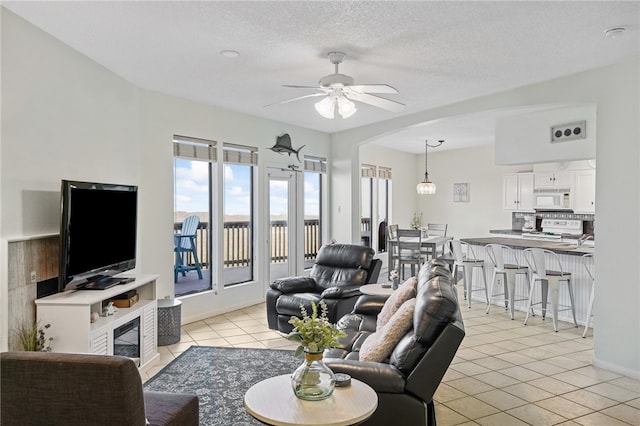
(460, 192)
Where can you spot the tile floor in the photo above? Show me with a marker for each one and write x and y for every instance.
(504, 373)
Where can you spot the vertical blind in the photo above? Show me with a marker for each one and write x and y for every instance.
(315, 164)
(384, 173)
(194, 148)
(368, 171)
(240, 154)
(206, 150)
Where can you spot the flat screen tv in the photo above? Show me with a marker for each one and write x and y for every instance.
(97, 233)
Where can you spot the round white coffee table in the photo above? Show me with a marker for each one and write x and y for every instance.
(272, 401)
(376, 289)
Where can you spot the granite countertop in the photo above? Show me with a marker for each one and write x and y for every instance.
(560, 247)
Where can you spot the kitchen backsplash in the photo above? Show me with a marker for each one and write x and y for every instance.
(588, 220)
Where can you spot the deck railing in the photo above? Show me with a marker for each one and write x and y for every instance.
(237, 242)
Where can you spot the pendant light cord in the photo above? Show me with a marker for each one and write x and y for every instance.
(426, 152)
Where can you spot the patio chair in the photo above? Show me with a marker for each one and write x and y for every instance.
(184, 244)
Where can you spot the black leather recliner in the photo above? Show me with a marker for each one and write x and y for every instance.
(407, 381)
(335, 278)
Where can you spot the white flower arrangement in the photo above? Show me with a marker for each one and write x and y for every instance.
(394, 275)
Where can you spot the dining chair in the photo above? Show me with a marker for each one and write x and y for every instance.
(468, 263)
(392, 246)
(497, 253)
(538, 261)
(436, 229)
(409, 244)
(185, 245)
(588, 261)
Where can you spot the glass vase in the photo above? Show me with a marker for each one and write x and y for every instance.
(313, 380)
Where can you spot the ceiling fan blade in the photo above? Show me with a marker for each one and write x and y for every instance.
(375, 101)
(301, 87)
(373, 88)
(313, 95)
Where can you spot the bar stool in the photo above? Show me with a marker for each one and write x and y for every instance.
(468, 263)
(549, 281)
(509, 271)
(587, 260)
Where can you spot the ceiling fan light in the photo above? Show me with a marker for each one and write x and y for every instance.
(346, 108)
(326, 107)
(426, 188)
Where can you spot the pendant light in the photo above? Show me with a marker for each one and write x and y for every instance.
(426, 187)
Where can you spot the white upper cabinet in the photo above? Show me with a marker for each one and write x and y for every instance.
(554, 179)
(585, 192)
(517, 192)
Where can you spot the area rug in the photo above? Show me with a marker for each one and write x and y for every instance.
(220, 376)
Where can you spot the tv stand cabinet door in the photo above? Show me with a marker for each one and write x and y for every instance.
(149, 335)
(99, 343)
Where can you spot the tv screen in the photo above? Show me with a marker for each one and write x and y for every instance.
(97, 233)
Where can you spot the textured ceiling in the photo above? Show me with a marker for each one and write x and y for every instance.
(434, 53)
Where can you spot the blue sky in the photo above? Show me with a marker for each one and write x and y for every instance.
(192, 183)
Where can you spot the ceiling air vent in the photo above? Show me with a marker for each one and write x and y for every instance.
(569, 132)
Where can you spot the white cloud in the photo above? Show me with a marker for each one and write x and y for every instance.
(235, 190)
(228, 173)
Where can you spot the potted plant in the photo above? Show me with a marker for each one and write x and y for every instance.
(313, 380)
(31, 336)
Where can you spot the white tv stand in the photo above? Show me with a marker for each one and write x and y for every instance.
(69, 314)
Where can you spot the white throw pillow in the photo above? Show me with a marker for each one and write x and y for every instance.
(404, 292)
(379, 345)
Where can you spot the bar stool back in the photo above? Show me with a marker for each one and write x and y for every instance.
(467, 263)
(588, 261)
(549, 281)
(509, 271)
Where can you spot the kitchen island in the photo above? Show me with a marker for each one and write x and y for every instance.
(562, 246)
(570, 256)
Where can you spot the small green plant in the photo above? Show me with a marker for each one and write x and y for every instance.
(314, 333)
(32, 337)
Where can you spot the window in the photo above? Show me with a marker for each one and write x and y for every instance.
(194, 160)
(368, 173)
(315, 168)
(384, 205)
(238, 207)
(375, 205)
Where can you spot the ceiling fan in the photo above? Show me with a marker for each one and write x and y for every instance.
(338, 91)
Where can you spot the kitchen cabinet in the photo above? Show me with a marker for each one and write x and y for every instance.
(554, 180)
(584, 200)
(517, 192)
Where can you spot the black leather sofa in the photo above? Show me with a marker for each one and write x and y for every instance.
(407, 380)
(335, 278)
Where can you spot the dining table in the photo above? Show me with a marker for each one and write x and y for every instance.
(433, 243)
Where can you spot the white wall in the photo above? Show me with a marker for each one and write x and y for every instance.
(65, 116)
(614, 89)
(526, 138)
(476, 167)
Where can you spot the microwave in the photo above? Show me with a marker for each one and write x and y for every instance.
(555, 199)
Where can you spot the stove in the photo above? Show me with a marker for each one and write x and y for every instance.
(555, 229)
(562, 226)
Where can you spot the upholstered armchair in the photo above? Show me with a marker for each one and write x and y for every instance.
(405, 357)
(42, 388)
(335, 278)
